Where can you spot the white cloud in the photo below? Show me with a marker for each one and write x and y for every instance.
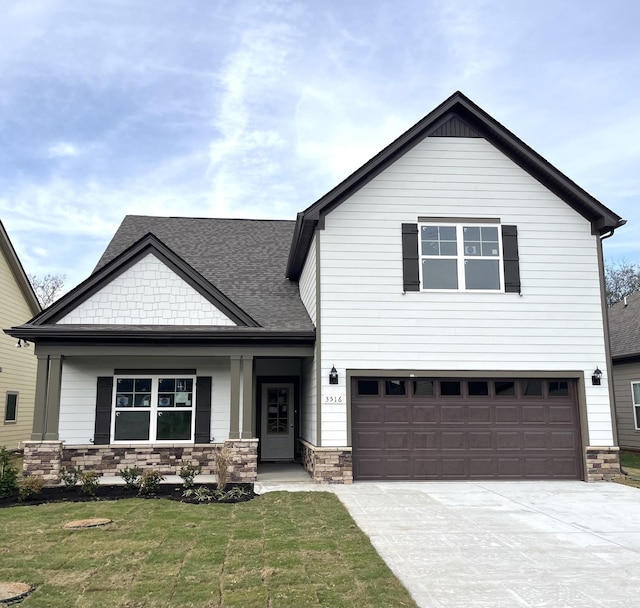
(63, 149)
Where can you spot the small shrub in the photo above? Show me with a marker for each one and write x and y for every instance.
(201, 494)
(89, 482)
(149, 482)
(131, 477)
(188, 473)
(231, 494)
(8, 473)
(222, 460)
(31, 485)
(70, 476)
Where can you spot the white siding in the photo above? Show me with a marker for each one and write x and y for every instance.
(309, 425)
(368, 323)
(148, 293)
(78, 391)
(307, 283)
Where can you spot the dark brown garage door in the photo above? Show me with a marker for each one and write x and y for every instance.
(423, 428)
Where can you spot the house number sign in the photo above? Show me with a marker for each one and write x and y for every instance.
(339, 398)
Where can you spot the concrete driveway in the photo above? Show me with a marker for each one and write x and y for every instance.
(505, 544)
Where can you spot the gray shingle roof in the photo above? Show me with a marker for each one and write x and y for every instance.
(245, 259)
(624, 327)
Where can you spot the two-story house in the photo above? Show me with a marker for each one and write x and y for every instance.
(437, 315)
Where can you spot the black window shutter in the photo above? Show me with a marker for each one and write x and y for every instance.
(104, 393)
(203, 409)
(511, 259)
(410, 260)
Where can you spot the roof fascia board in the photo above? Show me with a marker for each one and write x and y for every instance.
(18, 271)
(147, 244)
(135, 335)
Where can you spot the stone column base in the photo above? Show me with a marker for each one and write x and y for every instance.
(327, 465)
(603, 463)
(43, 458)
(243, 454)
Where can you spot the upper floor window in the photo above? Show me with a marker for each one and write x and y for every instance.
(464, 258)
(153, 408)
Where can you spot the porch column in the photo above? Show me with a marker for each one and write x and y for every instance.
(234, 423)
(53, 398)
(247, 397)
(46, 412)
(40, 406)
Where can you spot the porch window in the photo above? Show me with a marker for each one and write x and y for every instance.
(153, 408)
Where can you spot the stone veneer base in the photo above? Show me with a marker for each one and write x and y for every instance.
(603, 463)
(327, 465)
(46, 458)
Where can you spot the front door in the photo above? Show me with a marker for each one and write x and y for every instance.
(277, 424)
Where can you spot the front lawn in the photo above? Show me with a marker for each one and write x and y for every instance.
(281, 549)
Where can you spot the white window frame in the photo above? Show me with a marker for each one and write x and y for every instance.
(153, 408)
(460, 257)
(635, 407)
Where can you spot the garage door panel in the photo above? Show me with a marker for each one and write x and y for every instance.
(452, 440)
(564, 414)
(508, 440)
(425, 440)
(480, 440)
(369, 413)
(534, 440)
(506, 414)
(425, 414)
(480, 414)
(508, 430)
(482, 468)
(397, 413)
(533, 414)
(394, 440)
(452, 414)
(559, 440)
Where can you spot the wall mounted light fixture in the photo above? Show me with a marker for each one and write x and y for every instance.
(333, 375)
(22, 343)
(596, 377)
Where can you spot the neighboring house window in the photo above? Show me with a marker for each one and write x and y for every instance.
(460, 257)
(153, 408)
(11, 408)
(635, 395)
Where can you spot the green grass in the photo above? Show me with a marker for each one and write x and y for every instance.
(630, 459)
(279, 550)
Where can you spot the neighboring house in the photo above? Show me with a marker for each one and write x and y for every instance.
(624, 333)
(18, 303)
(437, 315)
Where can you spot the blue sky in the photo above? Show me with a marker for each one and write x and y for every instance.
(215, 108)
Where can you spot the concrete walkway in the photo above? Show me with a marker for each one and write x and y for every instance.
(505, 544)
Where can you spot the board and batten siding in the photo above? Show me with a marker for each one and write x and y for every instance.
(307, 283)
(78, 391)
(623, 375)
(369, 323)
(18, 365)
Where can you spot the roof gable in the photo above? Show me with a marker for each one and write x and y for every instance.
(21, 279)
(457, 116)
(149, 245)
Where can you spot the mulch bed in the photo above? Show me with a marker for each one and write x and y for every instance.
(110, 492)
